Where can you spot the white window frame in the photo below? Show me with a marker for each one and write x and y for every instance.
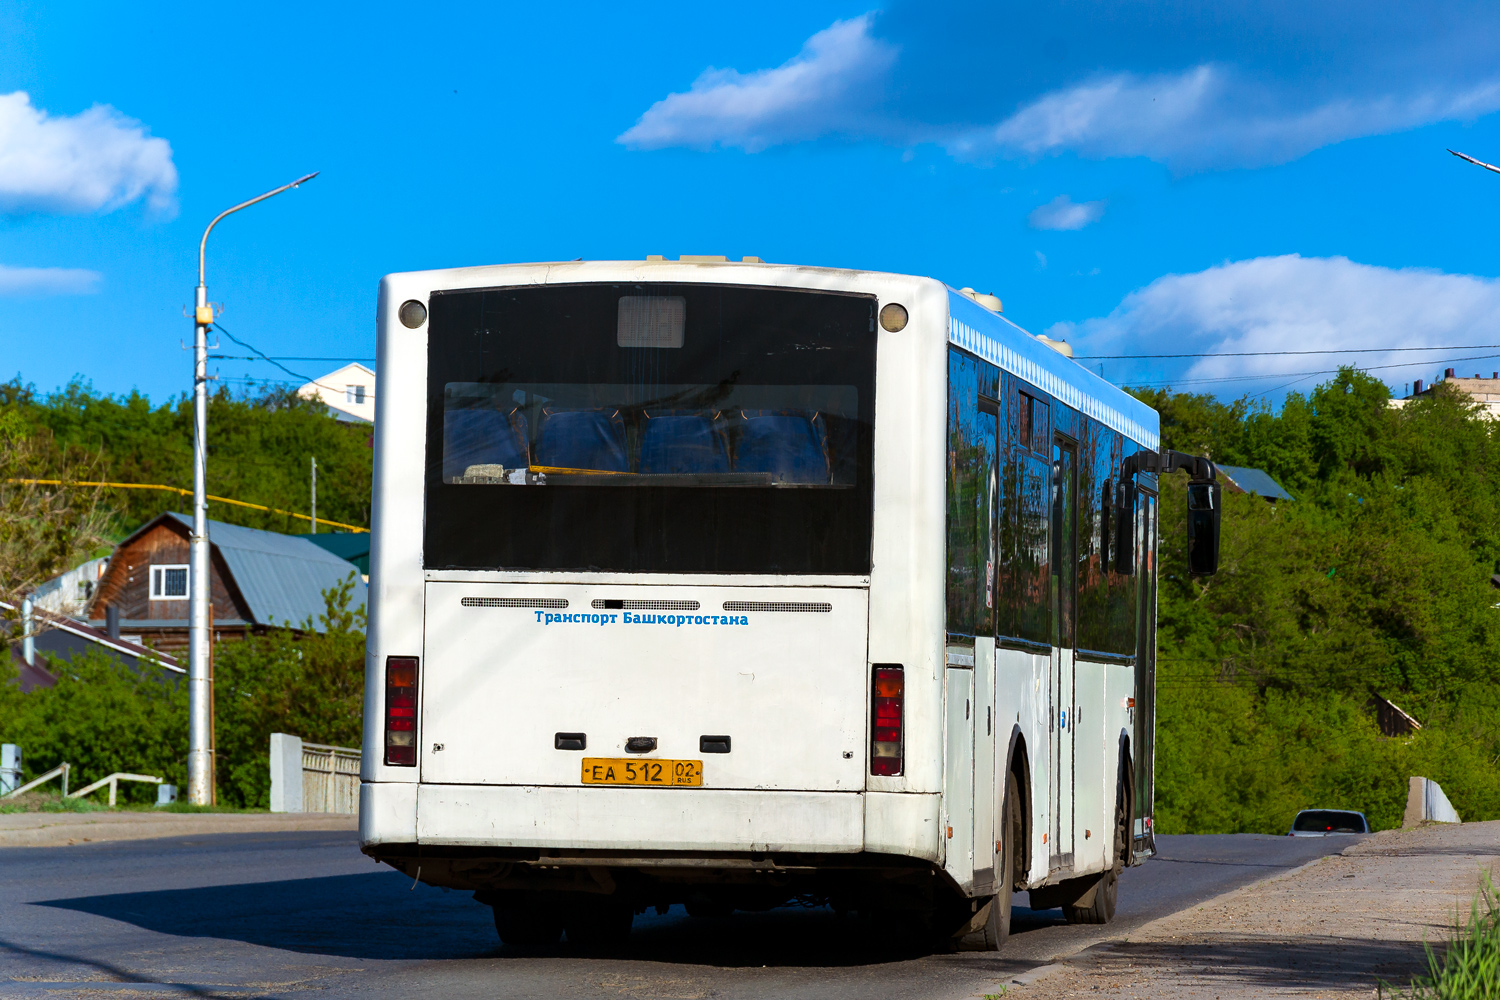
(354, 394)
(157, 580)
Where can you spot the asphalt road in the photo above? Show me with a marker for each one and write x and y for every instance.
(276, 914)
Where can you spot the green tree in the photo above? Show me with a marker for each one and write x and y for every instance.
(1376, 580)
(259, 450)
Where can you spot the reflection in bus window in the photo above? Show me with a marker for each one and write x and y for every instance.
(1032, 569)
(970, 461)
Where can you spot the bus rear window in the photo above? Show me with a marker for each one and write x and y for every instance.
(532, 434)
(650, 427)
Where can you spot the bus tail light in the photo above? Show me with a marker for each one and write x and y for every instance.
(401, 711)
(885, 721)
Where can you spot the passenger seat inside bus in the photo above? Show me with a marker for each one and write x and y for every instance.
(583, 440)
(682, 441)
(792, 445)
(483, 436)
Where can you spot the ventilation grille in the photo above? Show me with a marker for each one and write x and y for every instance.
(514, 602)
(816, 606)
(600, 603)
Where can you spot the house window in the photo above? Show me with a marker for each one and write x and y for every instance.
(354, 394)
(169, 582)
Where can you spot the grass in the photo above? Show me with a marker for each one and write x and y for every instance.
(183, 807)
(48, 802)
(53, 802)
(1469, 968)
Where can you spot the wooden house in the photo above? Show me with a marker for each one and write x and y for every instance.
(260, 580)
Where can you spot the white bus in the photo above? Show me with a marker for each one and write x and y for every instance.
(731, 583)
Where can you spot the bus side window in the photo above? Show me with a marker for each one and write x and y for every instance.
(1025, 549)
(971, 457)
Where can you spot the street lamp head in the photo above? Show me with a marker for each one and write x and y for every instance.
(203, 243)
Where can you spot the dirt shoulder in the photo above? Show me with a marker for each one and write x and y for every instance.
(1333, 928)
(41, 829)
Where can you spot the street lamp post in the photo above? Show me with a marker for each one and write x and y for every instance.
(200, 725)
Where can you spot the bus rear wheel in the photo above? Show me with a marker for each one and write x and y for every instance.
(598, 923)
(997, 927)
(527, 926)
(993, 931)
(1100, 907)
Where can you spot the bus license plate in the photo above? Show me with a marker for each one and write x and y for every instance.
(651, 771)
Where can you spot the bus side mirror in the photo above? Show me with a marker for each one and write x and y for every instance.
(1125, 530)
(1203, 527)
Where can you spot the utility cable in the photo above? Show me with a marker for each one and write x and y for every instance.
(1262, 354)
(266, 357)
(182, 492)
(279, 357)
(1300, 375)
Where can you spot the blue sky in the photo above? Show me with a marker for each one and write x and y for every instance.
(1141, 178)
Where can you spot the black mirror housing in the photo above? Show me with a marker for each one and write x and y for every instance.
(1125, 529)
(1204, 505)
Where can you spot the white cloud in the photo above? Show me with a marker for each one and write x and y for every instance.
(812, 94)
(1209, 117)
(47, 281)
(1267, 84)
(95, 161)
(1295, 303)
(1063, 213)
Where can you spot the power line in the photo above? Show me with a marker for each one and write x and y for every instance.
(278, 381)
(279, 357)
(263, 355)
(1265, 354)
(1300, 375)
(266, 357)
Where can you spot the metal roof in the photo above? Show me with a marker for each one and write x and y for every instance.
(282, 577)
(351, 545)
(1255, 481)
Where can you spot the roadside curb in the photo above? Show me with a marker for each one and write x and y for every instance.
(67, 829)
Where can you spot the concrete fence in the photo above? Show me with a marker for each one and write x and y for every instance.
(312, 777)
(1425, 801)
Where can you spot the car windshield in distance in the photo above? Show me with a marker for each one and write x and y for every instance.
(1328, 821)
(650, 427)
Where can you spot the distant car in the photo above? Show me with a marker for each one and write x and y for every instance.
(1328, 822)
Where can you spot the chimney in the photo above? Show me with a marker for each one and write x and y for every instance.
(1416, 388)
(112, 621)
(1447, 373)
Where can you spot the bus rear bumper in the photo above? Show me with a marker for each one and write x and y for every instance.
(615, 819)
